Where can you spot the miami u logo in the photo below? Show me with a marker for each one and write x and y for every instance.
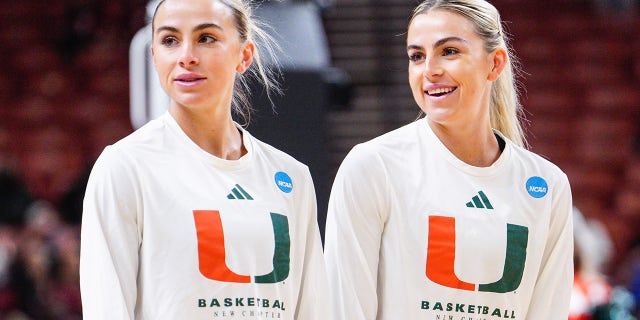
(211, 252)
(441, 253)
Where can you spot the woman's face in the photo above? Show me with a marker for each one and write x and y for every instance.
(450, 72)
(197, 52)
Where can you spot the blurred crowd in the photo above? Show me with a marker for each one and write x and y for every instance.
(64, 97)
(40, 215)
(39, 256)
(607, 254)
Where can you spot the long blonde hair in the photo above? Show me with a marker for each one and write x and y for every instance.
(250, 28)
(505, 108)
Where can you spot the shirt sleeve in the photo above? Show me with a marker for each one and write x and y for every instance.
(110, 239)
(313, 300)
(355, 222)
(552, 292)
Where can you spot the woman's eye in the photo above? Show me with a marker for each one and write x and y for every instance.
(169, 41)
(207, 39)
(416, 57)
(449, 51)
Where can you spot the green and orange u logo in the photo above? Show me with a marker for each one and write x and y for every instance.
(441, 253)
(211, 252)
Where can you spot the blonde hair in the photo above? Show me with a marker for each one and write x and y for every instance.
(250, 28)
(505, 108)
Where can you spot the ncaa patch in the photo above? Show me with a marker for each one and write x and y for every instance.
(537, 187)
(283, 181)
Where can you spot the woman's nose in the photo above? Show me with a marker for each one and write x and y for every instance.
(188, 57)
(432, 68)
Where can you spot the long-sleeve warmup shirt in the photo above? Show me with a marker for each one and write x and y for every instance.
(415, 233)
(171, 232)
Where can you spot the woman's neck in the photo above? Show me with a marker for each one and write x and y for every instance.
(474, 145)
(213, 131)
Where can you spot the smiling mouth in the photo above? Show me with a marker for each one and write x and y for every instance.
(440, 91)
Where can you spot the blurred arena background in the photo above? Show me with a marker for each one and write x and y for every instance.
(65, 95)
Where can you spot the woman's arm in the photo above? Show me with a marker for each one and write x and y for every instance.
(355, 222)
(313, 301)
(552, 291)
(110, 240)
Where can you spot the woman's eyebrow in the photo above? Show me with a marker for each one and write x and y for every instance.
(447, 39)
(207, 26)
(196, 28)
(437, 43)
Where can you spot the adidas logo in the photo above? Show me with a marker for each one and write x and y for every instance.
(480, 201)
(238, 193)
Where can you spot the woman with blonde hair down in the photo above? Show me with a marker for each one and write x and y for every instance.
(450, 217)
(191, 217)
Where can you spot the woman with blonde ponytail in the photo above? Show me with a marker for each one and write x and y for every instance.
(191, 217)
(450, 217)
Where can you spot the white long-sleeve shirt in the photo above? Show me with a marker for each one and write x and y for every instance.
(171, 232)
(414, 233)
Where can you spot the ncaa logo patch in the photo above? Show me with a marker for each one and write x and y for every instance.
(537, 187)
(283, 181)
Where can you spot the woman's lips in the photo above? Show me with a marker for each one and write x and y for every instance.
(438, 92)
(189, 80)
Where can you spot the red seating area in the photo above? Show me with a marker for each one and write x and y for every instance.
(65, 95)
(67, 69)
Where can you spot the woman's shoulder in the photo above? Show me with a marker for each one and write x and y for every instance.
(272, 154)
(147, 134)
(134, 145)
(406, 132)
(392, 146)
(397, 139)
(538, 162)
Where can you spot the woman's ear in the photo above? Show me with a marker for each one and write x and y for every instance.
(500, 60)
(248, 49)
